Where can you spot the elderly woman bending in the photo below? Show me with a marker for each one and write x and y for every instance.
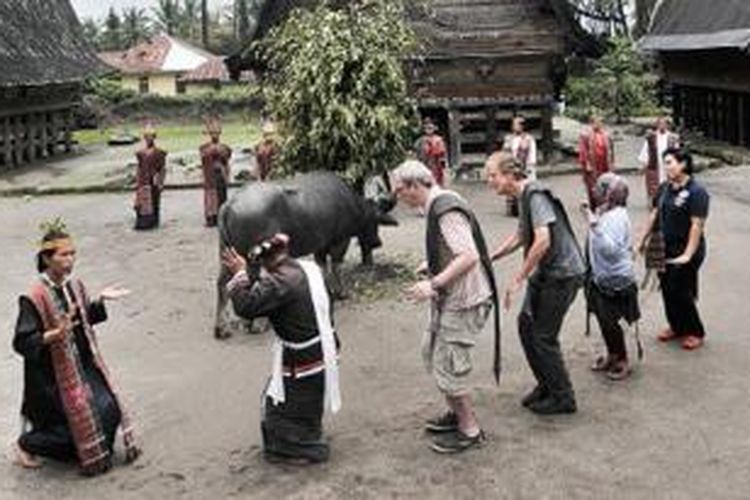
(612, 291)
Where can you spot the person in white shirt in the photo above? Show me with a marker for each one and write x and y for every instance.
(522, 146)
(657, 142)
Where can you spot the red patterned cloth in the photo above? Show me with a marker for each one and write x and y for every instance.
(265, 157)
(75, 393)
(215, 166)
(596, 157)
(149, 176)
(431, 151)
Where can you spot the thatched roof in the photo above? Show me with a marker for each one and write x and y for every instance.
(489, 26)
(684, 25)
(41, 43)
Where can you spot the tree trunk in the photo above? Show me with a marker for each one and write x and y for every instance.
(204, 23)
(644, 9)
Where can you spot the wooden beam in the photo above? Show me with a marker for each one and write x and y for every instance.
(742, 131)
(19, 140)
(454, 131)
(547, 132)
(7, 138)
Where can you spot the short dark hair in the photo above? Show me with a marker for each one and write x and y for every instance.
(682, 156)
(42, 255)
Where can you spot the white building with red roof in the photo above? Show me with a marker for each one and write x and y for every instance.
(167, 66)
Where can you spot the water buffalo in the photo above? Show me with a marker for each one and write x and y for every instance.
(317, 210)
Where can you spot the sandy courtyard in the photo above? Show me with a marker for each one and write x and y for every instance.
(678, 429)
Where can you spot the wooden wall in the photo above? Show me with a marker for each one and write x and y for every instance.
(35, 123)
(711, 92)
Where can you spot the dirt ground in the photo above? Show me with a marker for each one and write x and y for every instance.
(676, 430)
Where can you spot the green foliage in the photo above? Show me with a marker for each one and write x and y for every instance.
(228, 100)
(337, 86)
(619, 85)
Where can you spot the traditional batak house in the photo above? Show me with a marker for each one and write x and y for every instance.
(44, 62)
(485, 61)
(703, 52)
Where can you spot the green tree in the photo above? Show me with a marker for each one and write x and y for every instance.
(242, 19)
(337, 86)
(135, 26)
(189, 20)
(619, 85)
(111, 38)
(205, 22)
(168, 16)
(91, 32)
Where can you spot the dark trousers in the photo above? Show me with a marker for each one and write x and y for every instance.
(293, 429)
(608, 316)
(679, 289)
(539, 323)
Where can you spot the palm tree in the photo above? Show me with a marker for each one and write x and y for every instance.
(242, 19)
(111, 38)
(204, 23)
(168, 15)
(135, 26)
(189, 19)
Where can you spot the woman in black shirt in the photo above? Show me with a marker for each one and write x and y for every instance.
(680, 212)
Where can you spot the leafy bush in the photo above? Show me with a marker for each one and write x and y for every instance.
(229, 100)
(619, 85)
(337, 86)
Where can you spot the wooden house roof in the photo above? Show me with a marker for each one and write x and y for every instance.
(455, 28)
(687, 25)
(41, 43)
(477, 28)
(160, 54)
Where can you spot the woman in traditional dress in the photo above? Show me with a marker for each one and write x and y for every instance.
(612, 292)
(680, 212)
(522, 146)
(215, 158)
(596, 155)
(266, 152)
(71, 409)
(149, 181)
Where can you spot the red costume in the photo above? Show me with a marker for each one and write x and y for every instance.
(596, 157)
(216, 175)
(265, 156)
(149, 181)
(431, 151)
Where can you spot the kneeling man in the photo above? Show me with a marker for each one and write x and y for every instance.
(292, 295)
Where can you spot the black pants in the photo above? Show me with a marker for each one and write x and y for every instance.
(679, 289)
(608, 316)
(539, 323)
(293, 429)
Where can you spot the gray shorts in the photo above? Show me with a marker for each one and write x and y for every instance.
(447, 352)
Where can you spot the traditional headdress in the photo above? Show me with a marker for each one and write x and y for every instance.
(268, 128)
(213, 124)
(149, 129)
(54, 235)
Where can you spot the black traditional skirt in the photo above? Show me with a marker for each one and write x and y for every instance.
(293, 429)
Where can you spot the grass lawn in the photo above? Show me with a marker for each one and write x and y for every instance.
(180, 136)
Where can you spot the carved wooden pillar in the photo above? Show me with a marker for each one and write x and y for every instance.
(547, 131)
(454, 132)
(44, 134)
(68, 130)
(19, 139)
(7, 138)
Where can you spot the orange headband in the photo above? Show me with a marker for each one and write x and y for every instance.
(56, 244)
